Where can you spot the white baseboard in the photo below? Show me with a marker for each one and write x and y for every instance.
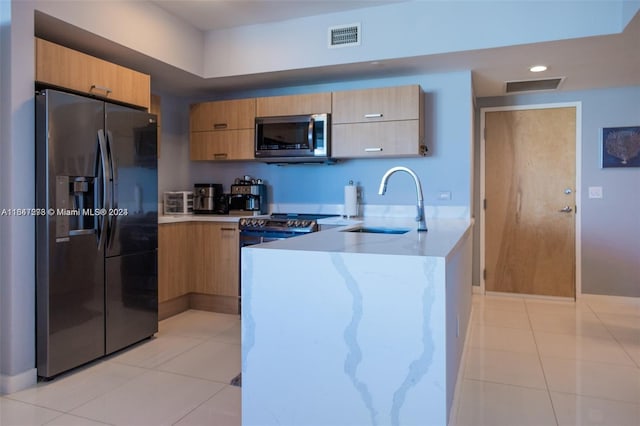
(18, 382)
(475, 289)
(529, 296)
(605, 298)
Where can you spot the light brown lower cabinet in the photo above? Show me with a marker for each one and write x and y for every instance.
(199, 262)
(174, 260)
(215, 258)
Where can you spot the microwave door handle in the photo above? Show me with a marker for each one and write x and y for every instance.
(310, 133)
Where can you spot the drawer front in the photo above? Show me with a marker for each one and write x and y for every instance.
(382, 139)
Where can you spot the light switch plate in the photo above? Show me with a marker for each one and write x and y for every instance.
(595, 192)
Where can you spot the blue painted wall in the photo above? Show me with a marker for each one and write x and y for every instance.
(448, 133)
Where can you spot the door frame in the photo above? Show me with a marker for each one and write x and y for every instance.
(578, 182)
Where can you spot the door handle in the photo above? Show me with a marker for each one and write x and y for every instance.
(566, 209)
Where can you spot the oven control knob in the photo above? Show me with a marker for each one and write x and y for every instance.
(243, 222)
(306, 223)
(262, 222)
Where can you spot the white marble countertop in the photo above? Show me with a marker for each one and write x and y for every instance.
(439, 241)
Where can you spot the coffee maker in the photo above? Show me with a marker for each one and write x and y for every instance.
(209, 199)
(248, 196)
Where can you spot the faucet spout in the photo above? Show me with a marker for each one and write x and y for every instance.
(420, 216)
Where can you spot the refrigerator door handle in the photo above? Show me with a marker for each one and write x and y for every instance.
(103, 158)
(113, 205)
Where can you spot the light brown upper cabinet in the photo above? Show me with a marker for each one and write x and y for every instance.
(66, 68)
(383, 122)
(315, 103)
(223, 130)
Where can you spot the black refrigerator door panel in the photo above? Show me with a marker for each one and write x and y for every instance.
(133, 220)
(69, 261)
(131, 299)
(74, 330)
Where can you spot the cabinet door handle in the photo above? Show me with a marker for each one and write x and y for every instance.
(219, 126)
(220, 156)
(373, 149)
(377, 115)
(104, 89)
(227, 229)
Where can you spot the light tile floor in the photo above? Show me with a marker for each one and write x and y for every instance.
(180, 377)
(539, 362)
(527, 362)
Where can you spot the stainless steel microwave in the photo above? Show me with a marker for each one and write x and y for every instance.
(293, 138)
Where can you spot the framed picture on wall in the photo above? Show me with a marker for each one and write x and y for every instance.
(621, 146)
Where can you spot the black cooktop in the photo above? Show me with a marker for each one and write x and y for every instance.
(283, 222)
(302, 216)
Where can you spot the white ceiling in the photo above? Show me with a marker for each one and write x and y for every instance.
(607, 61)
(587, 63)
(209, 15)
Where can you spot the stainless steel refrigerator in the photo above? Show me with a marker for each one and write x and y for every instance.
(96, 229)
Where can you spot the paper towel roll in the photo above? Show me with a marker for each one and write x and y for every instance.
(350, 200)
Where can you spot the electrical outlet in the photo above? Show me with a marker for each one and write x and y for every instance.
(444, 195)
(595, 192)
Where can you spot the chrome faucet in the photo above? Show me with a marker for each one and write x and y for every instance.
(420, 218)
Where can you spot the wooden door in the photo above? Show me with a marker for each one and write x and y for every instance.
(529, 179)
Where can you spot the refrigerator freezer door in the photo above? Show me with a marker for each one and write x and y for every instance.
(131, 299)
(69, 266)
(133, 219)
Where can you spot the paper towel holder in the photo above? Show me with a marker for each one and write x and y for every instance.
(351, 196)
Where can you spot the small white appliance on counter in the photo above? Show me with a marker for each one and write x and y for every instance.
(178, 202)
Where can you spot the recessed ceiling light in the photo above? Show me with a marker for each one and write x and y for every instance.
(538, 68)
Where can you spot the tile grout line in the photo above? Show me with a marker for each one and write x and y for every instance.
(198, 406)
(604, 324)
(101, 361)
(544, 374)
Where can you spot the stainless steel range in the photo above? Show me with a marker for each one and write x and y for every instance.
(277, 227)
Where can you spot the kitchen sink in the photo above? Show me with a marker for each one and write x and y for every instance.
(377, 230)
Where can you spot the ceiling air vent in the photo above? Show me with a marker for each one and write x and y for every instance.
(533, 85)
(344, 35)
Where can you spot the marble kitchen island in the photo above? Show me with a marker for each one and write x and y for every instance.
(348, 328)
